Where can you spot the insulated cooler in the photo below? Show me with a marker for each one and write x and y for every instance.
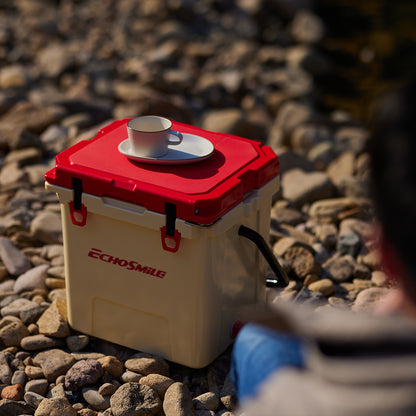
(156, 257)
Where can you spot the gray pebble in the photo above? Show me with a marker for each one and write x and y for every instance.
(77, 342)
(144, 363)
(54, 363)
(39, 386)
(32, 279)
(107, 389)
(40, 342)
(33, 399)
(206, 401)
(57, 271)
(19, 377)
(95, 399)
(46, 227)
(349, 244)
(18, 306)
(130, 376)
(14, 260)
(57, 391)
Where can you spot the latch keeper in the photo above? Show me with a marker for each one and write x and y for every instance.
(77, 210)
(170, 236)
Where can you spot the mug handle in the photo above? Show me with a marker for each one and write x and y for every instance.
(178, 135)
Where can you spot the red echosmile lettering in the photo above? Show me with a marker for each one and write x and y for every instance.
(96, 253)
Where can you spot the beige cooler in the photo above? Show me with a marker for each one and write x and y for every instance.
(177, 300)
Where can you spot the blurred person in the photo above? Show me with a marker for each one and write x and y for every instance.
(294, 362)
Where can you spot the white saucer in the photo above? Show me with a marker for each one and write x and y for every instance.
(192, 149)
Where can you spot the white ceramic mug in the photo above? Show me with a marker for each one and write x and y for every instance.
(150, 136)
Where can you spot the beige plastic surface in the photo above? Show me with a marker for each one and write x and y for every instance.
(185, 314)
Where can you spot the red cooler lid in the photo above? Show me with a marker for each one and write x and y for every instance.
(202, 192)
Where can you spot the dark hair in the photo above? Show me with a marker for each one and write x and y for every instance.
(392, 146)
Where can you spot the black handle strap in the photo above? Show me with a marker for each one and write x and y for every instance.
(281, 277)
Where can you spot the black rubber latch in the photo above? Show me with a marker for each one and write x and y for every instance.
(170, 210)
(77, 187)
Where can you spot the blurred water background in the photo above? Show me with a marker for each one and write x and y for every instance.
(373, 46)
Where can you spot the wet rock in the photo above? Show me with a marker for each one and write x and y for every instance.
(82, 373)
(135, 399)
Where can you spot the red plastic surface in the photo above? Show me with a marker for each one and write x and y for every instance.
(202, 191)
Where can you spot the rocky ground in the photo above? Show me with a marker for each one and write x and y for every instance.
(246, 67)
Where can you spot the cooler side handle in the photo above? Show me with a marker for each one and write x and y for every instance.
(258, 240)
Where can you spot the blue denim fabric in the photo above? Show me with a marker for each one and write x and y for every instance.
(257, 353)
